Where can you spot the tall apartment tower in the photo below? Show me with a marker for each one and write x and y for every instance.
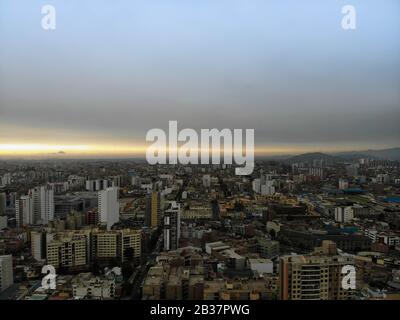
(43, 204)
(153, 212)
(344, 214)
(6, 272)
(46, 203)
(315, 277)
(3, 201)
(172, 222)
(39, 241)
(108, 206)
(24, 210)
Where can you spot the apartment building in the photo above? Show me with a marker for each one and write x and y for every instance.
(315, 277)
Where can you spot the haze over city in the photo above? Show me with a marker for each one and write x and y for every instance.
(112, 71)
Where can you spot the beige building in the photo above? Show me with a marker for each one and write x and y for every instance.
(113, 244)
(6, 272)
(67, 251)
(197, 211)
(315, 277)
(152, 287)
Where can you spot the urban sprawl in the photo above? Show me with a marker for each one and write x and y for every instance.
(124, 229)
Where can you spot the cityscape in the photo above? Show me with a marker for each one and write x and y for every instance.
(123, 229)
(202, 157)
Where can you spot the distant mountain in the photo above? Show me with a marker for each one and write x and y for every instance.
(308, 157)
(388, 154)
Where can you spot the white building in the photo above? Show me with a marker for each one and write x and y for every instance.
(5, 179)
(392, 240)
(344, 214)
(24, 210)
(109, 206)
(136, 180)
(316, 171)
(383, 178)
(6, 272)
(42, 198)
(60, 187)
(85, 285)
(102, 184)
(46, 203)
(257, 185)
(3, 222)
(268, 188)
(261, 265)
(343, 184)
(372, 234)
(172, 225)
(3, 201)
(206, 181)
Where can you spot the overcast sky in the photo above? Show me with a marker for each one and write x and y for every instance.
(112, 70)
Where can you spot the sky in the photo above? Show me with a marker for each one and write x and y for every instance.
(112, 70)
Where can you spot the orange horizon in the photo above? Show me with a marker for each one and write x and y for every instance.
(85, 150)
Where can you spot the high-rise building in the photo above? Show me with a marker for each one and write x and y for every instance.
(114, 244)
(67, 251)
(109, 206)
(104, 245)
(316, 171)
(257, 185)
(46, 203)
(3, 222)
(153, 212)
(3, 201)
(5, 179)
(43, 204)
(129, 240)
(38, 245)
(6, 272)
(24, 210)
(172, 222)
(98, 184)
(268, 188)
(39, 241)
(315, 277)
(344, 214)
